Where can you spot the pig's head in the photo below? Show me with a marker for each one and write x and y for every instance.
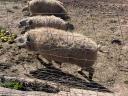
(25, 25)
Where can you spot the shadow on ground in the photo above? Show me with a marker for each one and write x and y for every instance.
(56, 75)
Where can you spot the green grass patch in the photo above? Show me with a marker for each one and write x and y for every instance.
(6, 36)
(12, 85)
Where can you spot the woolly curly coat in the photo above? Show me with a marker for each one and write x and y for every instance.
(47, 7)
(44, 21)
(61, 46)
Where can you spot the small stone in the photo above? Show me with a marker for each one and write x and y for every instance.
(116, 41)
(7, 33)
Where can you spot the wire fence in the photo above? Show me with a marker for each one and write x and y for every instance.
(104, 22)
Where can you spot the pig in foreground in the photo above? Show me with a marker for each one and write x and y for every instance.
(61, 46)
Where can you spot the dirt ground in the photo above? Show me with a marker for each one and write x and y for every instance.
(102, 20)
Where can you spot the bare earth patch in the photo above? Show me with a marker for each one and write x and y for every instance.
(104, 21)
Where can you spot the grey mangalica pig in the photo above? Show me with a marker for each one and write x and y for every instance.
(44, 21)
(61, 46)
(46, 7)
